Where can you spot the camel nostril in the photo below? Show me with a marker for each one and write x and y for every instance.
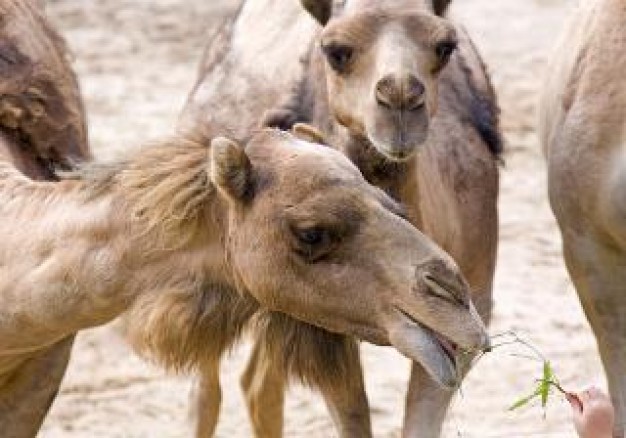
(406, 93)
(415, 103)
(387, 93)
(383, 100)
(414, 93)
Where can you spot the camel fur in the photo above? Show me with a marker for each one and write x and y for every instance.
(583, 131)
(444, 171)
(42, 128)
(193, 237)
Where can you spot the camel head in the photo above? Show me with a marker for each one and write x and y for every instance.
(383, 61)
(309, 237)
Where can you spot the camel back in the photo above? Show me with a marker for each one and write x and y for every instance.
(252, 69)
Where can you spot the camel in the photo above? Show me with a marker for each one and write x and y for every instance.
(416, 112)
(192, 238)
(583, 132)
(42, 119)
(42, 128)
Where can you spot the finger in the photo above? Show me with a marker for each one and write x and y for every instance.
(595, 392)
(584, 396)
(574, 401)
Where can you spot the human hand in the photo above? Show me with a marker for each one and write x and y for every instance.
(593, 413)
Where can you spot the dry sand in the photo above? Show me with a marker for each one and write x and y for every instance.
(137, 61)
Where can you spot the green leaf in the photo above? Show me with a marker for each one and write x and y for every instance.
(523, 401)
(548, 374)
(544, 386)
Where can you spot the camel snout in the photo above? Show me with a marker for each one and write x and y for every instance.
(443, 278)
(483, 340)
(400, 92)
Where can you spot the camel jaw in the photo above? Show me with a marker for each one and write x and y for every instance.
(394, 153)
(432, 350)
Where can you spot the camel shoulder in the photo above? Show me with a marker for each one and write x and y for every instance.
(468, 94)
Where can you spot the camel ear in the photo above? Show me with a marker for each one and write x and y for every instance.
(441, 6)
(230, 168)
(321, 10)
(308, 133)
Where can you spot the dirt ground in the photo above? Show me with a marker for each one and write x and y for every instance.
(137, 59)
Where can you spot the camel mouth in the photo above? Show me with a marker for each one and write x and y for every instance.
(397, 153)
(397, 147)
(450, 348)
(434, 351)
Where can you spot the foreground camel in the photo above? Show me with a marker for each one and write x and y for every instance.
(382, 81)
(583, 130)
(193, 239)
(42, 128)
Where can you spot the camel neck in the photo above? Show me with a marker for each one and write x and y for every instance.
(398, 179)
(83, 252)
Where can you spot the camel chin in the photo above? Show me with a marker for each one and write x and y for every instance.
(398, 152)
(426, 347)
(398, 136)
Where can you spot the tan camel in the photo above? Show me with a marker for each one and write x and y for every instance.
(394, 86)
(42, 127)
(583, 130)
(193, 239)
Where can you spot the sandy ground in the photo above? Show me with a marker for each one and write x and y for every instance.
(137, 60)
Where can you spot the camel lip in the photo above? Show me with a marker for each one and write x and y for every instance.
(426, 347)
(399, 154)
(450, 348)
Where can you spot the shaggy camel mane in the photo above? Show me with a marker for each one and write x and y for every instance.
(186, 327)
(166, 190)
(188, 318)
(165, 186)
(294, 343)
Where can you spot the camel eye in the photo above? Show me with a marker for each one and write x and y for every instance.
(311, 236)
(338, 56)
(444, 50)
(313, 243)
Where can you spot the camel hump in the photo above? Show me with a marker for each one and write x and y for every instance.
(41, 112)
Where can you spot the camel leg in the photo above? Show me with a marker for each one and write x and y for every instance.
(599, 274)
(264, 386)
(426, 405)
(348, 403)
(325, 361)
(206, 400)
(28, 394)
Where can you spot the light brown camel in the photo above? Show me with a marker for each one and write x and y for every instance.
(392, 85)
(583, 130)
(194, 238)
(42, 127)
